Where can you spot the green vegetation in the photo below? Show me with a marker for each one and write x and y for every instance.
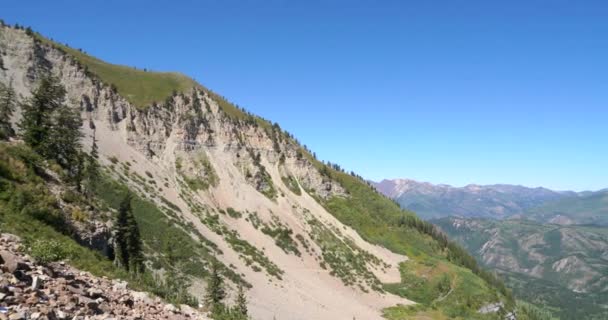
(216, 294)
(47, 251)
(346, 261)
(199, 175)
(166, 242)
(29, 210)
(233, 213)
(438, 285)
(142, 88)
(128, 244)
(526, 311)
(291, 183)
(253, 257)
(281, 235)
(588, 209)
(527, 245)
(379, 220)
(7, 107)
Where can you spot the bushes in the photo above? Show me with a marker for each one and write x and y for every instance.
(292, 184)
(45, 251)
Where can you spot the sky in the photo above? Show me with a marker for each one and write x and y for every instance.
(452, 92)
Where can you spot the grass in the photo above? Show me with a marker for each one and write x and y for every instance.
(139, 87)
(197, 181)
(292, 184)
(344, 259)
(441, 288)
(281, 234)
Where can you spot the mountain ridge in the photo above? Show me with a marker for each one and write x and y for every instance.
(497, 201)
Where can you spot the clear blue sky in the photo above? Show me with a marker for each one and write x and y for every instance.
(444, 91)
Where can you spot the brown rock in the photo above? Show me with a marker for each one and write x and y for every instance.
(13, 263)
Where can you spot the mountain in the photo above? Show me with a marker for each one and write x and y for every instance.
(562, 267)
(203, 193)
(589, 208)
(493, 201)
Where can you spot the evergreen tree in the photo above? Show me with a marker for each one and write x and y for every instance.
(64, 137)
(92, 166)
(241, 301)
(120, 233)
(64, 145)
(36, 122)
(7, 107)
(127, 240)
(134, 246)
(214, 298)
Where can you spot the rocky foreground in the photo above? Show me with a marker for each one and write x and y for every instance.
(58, 291)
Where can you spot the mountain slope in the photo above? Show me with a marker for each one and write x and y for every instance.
(491, 201)
(565, 267)
(215, 183)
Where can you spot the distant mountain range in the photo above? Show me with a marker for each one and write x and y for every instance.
(498, 201)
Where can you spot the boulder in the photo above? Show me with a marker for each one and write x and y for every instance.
(12, 263)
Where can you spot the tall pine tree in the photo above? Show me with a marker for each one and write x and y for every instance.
(37, 120)
(120, 233)
(64, 145)
(215, 295)
(92, 166)
(128, 246)
(7, 107)
(134, 246)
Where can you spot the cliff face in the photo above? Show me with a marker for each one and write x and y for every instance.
(194, 154)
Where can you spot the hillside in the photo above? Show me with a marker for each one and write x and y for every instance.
(562, 267)
(491, 201)
(215, 187)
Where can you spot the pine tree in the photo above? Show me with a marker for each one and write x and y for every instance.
(64, 145)
(214, 298)
(134, 246)
(92, 166)
(127, 241)
(121, 233)
(7, 107)
(36, 122)
(241, 301)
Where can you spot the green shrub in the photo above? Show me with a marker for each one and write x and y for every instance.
(45, 251)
